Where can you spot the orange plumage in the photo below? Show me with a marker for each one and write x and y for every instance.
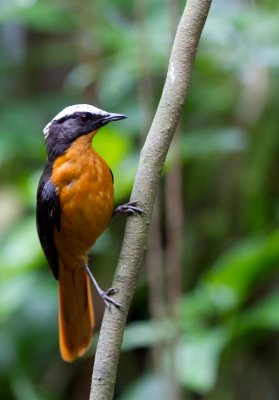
(85, 188)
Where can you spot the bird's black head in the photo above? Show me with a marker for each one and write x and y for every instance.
(73, 122)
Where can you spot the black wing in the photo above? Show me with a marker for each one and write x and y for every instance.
(48, 217)
(112, 177)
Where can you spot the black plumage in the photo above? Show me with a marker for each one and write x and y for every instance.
(48, 217)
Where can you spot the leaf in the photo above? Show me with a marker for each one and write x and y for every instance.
(13, 292)
(197, 358)
(113, 145)
(20, 250)
(148, 387)
(244, 266)
(145, 333)
(204, 302)
(116, 148)
(263, 316)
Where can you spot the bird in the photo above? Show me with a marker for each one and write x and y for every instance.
(75, 203)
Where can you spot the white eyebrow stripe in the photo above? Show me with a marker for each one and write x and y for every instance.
(66, 112)
(83, 108)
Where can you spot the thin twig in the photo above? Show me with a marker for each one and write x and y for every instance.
(152, 159)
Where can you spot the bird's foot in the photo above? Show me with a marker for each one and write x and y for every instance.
(130, 208)
(106, 296)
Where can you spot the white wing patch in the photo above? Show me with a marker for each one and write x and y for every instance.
(66, 112)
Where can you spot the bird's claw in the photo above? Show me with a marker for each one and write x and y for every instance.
(130, 208)
(106, 296)
(111, 291)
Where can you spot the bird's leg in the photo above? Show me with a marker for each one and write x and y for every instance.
(130, 208)
(105, 295)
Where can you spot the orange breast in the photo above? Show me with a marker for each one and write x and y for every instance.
(85, 189)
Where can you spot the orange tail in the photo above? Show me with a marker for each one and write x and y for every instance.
(76, 317)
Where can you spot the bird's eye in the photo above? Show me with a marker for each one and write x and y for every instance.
(86, 117)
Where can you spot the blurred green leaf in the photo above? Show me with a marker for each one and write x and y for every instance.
(20, 250)
(197, 358)
(148, 387)
(205, 302)
(146, 333)
(244, 266)
(23, 388)
(262, 316)
(13, 293)
(124, 175)
(115, 147)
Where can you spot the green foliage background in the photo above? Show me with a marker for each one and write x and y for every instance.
(114, 55)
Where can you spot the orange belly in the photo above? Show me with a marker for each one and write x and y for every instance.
(85, 188)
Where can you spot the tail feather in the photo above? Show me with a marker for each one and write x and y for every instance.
(76, 316)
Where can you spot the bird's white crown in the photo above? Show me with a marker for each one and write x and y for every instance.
(70, 110)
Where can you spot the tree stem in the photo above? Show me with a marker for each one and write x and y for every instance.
(151, 162)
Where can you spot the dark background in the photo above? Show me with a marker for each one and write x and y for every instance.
(204, 322)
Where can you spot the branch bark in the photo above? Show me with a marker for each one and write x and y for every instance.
(151, 162)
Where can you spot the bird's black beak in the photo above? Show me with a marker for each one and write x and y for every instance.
(105, 119)
(109, 117)
(114, 117)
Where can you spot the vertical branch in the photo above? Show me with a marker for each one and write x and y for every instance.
(151, 162)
